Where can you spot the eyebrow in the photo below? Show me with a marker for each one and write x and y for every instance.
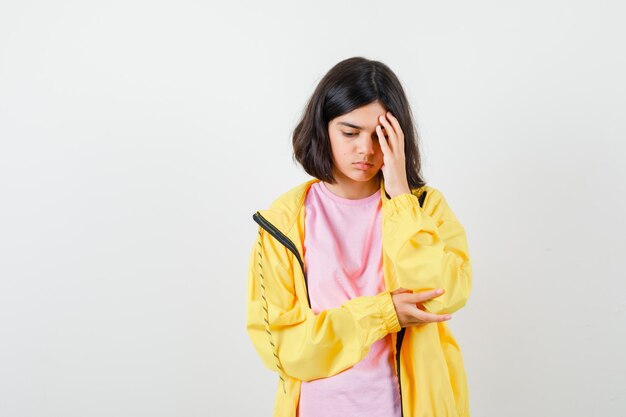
(352, 126)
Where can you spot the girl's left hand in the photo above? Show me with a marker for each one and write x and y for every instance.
(394, 166)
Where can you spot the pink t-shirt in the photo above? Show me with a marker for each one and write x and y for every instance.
(343, 257)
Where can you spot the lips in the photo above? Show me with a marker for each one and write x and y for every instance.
(363, 165)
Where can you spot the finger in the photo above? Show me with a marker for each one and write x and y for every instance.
(427, 295)
(431, 317)
(397, 128)
(383, 142)
(390, 131)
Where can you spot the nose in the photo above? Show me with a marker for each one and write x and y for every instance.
(366, 145)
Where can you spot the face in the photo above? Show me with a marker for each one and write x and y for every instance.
(356, 152)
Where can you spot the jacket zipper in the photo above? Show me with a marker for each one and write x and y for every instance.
(399, 339)
(280, 236)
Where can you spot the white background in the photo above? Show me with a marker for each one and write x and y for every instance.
(139, 137)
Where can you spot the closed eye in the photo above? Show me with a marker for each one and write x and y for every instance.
(375, 137)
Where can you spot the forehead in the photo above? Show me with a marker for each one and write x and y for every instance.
(365, 117)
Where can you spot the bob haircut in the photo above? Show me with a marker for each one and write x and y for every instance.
(350, 84)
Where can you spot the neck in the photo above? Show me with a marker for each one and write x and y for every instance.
(354, 190)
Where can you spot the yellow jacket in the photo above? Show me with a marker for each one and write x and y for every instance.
(424, 247)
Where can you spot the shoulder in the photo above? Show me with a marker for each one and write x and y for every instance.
(427, 194)
(291, 199)
(284, 209)
(434, 203)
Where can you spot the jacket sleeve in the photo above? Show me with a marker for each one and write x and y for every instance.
(429, 250)
(289, 337)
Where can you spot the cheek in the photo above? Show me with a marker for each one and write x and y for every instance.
(340, 149)
(335, 148)
(340, 153)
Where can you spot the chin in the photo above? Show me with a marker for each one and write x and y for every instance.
(364, 178)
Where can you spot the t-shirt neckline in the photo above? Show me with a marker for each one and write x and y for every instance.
(348, 201)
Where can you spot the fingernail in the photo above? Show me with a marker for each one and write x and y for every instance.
(439, 291)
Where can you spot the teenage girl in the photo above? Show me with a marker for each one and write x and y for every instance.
(346, 262)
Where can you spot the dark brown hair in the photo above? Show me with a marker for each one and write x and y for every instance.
(350, 84)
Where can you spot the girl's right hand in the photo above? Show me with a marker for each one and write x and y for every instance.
(406, 303)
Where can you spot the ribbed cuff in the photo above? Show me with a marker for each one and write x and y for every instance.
(388, 311)
(402, 201)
